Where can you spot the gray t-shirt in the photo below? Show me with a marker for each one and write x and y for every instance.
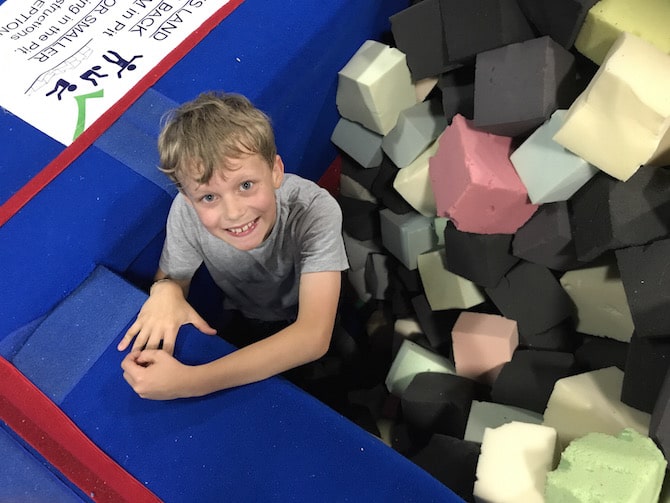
(262, 283)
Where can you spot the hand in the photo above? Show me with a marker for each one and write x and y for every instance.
(156, 375)
(160, 318)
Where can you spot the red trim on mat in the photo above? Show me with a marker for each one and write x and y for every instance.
(20, 198)
(39, 421)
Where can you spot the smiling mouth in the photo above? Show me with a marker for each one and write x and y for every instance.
(243, 230)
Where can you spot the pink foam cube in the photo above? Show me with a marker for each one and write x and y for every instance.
(475, 183)
(482, 344)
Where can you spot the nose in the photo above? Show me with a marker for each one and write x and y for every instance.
(232, 209)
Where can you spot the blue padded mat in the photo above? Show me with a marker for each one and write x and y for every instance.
(267, 441)
(96, 212)
(25, 478)
(70, 340)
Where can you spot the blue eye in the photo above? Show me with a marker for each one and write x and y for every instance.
(246, 185)
(208, 198)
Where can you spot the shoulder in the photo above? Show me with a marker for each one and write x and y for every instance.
(181, 212)
(301, 193)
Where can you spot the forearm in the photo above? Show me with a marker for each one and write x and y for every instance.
(287, 349)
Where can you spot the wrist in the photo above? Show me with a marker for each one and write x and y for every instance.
(162, 281)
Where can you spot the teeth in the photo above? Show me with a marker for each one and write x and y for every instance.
(239, 230)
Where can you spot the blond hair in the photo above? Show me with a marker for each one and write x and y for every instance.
(198, 137)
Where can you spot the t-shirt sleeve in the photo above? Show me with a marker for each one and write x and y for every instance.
(322, 245)
(181, 255)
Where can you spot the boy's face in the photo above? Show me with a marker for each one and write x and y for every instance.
(238, 204)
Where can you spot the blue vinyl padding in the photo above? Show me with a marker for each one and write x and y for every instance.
(267, 441)
(98, 211)
(24, 477)
(132, 139)
(71, 339)
(24, 151)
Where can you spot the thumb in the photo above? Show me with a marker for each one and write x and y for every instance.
(147, 357)
(203, 326)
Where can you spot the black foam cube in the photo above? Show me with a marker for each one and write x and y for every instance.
(440, 403)
(528, 379)
(562, 337)
(532, 296)
(360, 219)
(418, 33)
(601, 352)
(560, 19)
(364, 176)
(451, 461)
(535, 78)
(458, 92)
(436, 325)
(383, 189)
(646, 366)
(640, 207)
(546, 238)
(479, 25)
(659, 426)
(646, 282)
(482, 258)
(590, 218)
(607, 214)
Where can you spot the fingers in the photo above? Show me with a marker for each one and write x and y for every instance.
(148, 338)
(128, 337)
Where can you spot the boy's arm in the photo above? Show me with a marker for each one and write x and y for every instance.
(162, 314)
(153, 375)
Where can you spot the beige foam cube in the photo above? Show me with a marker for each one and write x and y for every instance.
(423, 87)
(443, 288)
(482, 344)
(601, 302)
(589, 402)
(607, 19)
(622, 119)
(513, 464)
(375, 86)
(413, 183)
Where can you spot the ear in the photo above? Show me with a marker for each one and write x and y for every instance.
(277, 172)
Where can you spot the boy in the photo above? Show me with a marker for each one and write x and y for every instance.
(271, 241)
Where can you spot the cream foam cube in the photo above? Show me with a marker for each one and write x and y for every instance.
(607, 19)
(589, 402)
(513, 464)
(375, 86)
(601, 302)
(443, 288)
(622, 119)
(413, 183)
